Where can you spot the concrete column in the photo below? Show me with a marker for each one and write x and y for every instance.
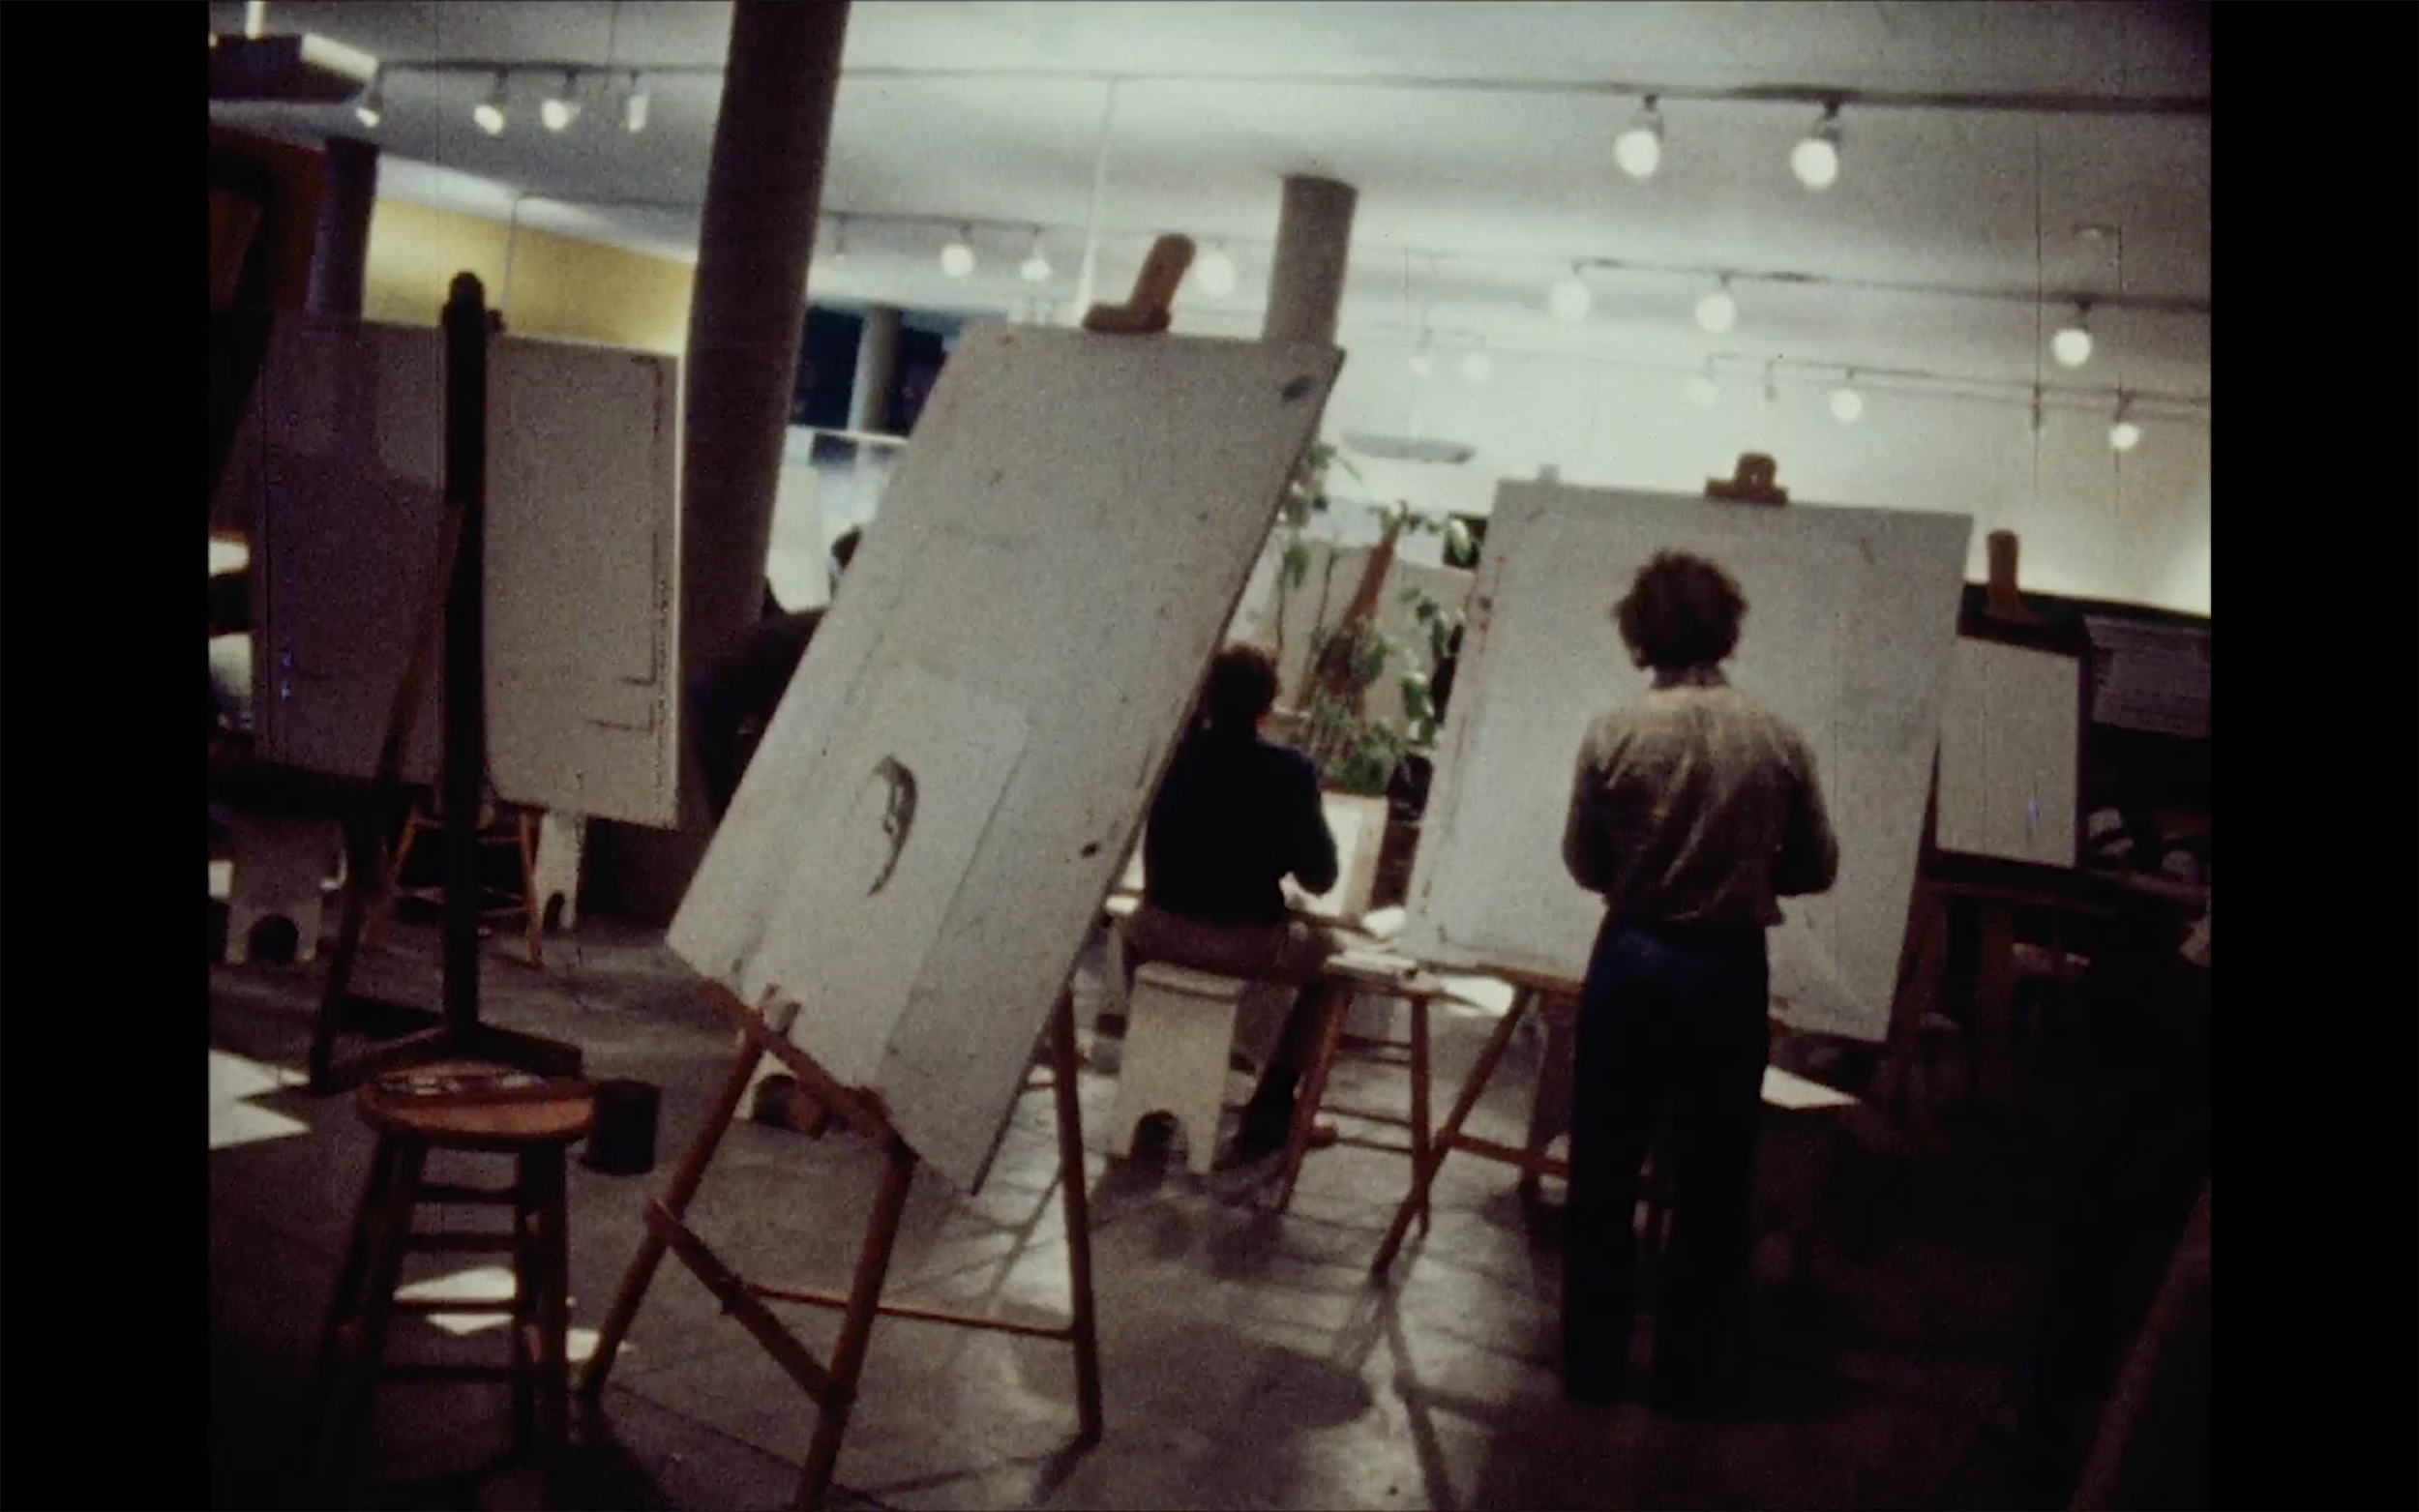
(763, 190)
(1314, 233)
(876, 367)
(339, 260)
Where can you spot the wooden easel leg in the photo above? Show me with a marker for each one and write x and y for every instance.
(1417, 1201)
(1336, 1008)
(1422, 1133)
(1075, 1185)
(857, 1328)
(1549, 1114)
(675, 1200)
(365, 871)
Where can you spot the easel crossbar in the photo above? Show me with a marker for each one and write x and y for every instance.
(812, 1297)
(738, 1299)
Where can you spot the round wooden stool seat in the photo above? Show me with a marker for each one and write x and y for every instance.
(478, 1105)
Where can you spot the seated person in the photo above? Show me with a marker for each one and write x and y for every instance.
(1236, 815)
(733, 701)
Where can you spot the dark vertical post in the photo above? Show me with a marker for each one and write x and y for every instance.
(339, 262)
(466, 643)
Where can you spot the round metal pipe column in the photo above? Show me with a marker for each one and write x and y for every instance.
(877, 369)
(1314, 233)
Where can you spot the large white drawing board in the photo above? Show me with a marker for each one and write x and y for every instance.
(2011, 753)
(1851, 613)
(338, 479)
(1025, 632)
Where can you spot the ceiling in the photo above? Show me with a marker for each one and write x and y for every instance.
(1479, 139)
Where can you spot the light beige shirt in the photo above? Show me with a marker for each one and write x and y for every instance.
(1693, 806)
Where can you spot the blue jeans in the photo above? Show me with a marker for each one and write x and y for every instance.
(1671, 1036)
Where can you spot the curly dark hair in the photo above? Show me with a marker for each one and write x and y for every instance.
(1681, 612)
(1241, 688)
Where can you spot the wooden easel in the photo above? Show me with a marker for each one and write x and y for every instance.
(454, 613)
(832, 1386)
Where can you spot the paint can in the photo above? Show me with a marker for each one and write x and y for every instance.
(622, 1143)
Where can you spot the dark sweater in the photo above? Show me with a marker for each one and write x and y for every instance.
(1234, 816)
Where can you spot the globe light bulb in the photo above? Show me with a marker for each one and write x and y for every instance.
(1703, 392)
(2125, 436)
(2071, 345)
(1570, 300)
(1815, 159)
(956, 259)
(1216, 273)
(1717, 312)
(1639, 148)
(1846, 404)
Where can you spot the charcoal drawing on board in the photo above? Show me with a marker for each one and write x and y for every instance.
(1023, 635)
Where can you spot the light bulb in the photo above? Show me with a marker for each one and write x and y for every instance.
(956, 259)
(1216, 273)
(633, 109)
(2125, 436)
(2071, 345)
(373, 107)
(1639, 148)
(1036, 268)
(1478, 366)
(1570, 300)
(1423, 362)
(490, 112)
(1846, 404)
(1703, 392)
(1815, 159)
(561, 107)
(1717, 313)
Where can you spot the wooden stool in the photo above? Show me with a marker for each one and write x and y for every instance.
(499, 825)
(1179, 1032)
(465, 1105)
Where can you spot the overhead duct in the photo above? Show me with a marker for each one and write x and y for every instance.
(1409, 449)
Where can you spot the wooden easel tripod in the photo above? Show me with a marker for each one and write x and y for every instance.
(832, 1385)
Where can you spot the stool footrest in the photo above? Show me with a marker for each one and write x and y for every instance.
(462, 1243)
(504, 1306)
(429, 1373)
(468, 1196)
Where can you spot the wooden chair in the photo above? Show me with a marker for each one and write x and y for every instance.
(460, 1105)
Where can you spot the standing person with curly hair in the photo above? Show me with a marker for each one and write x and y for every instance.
(1692, 812)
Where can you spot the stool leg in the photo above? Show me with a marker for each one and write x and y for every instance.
(356, 1393)
(554, 1252)
(347, 1298)
(529, 895)
(525, 1319)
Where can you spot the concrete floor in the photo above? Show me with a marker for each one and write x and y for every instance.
(1248, 1361)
